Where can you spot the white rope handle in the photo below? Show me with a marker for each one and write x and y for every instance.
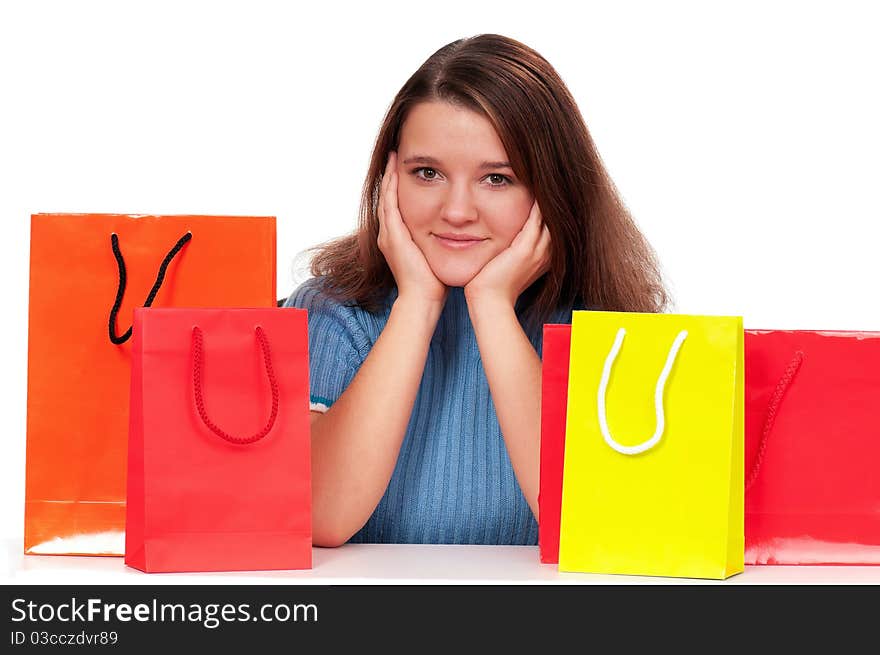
(658, 395)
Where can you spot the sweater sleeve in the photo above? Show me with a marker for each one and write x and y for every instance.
(334, 356)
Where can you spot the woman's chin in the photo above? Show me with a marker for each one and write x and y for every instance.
(455, 277)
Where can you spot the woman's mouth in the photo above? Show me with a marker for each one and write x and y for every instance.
(458, 241)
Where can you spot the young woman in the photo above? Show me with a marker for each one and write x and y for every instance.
(486, 213)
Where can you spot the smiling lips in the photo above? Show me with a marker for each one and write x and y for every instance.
(457, 241)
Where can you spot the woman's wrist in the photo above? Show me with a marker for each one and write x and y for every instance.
(418, 310)
(487, 308)
(488, 297)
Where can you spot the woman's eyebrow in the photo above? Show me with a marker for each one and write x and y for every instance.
(421, 159)
(432, 161)
(496, 164)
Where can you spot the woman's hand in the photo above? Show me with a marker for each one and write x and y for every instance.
(413, 276)
(514, 269)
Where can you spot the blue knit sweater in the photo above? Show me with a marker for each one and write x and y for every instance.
(453, 482)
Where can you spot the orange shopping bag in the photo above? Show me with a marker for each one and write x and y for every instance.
(87, 274)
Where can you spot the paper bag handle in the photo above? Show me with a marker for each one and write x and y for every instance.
(772, 408)
(658, 395)
(120, 290)
(198, 374)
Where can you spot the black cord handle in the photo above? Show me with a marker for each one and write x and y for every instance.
(120, 292)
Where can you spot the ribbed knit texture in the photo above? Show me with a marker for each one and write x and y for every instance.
(453, 482)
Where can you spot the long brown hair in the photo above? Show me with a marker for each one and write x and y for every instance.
(599, 259)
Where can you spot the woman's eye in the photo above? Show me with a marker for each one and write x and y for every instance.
(497, 179)
(426, 173)
(430, 174)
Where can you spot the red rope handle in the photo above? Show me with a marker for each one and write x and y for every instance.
(772, 408)
(198, 374)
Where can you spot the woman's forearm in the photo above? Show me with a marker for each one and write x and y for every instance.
(355, 444)
(513, 370)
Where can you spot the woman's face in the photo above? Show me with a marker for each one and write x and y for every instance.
(457, 192)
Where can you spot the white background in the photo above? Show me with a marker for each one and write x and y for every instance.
(744, 138)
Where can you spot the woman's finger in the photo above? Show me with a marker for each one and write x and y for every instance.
(385, 175)
(380, 211)
(543, 248)
(394, 220)
(544, 240)
(390, 218)
(531, 229)
(536, 218)
(392, 181)
(383, 187)
(391, 194)
(545, 234)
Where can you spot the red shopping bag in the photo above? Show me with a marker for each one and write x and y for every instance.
(812, 448)
(218, 458)
(554, 403)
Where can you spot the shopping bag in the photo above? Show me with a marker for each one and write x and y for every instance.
(554, 397)
(653, 470)
(812, 447)
(218, 465)
(87, 273)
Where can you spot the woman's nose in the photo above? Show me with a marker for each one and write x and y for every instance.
(459, 207)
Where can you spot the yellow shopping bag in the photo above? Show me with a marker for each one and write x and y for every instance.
(653, 473)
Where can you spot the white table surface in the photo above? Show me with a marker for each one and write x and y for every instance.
(400, 564)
